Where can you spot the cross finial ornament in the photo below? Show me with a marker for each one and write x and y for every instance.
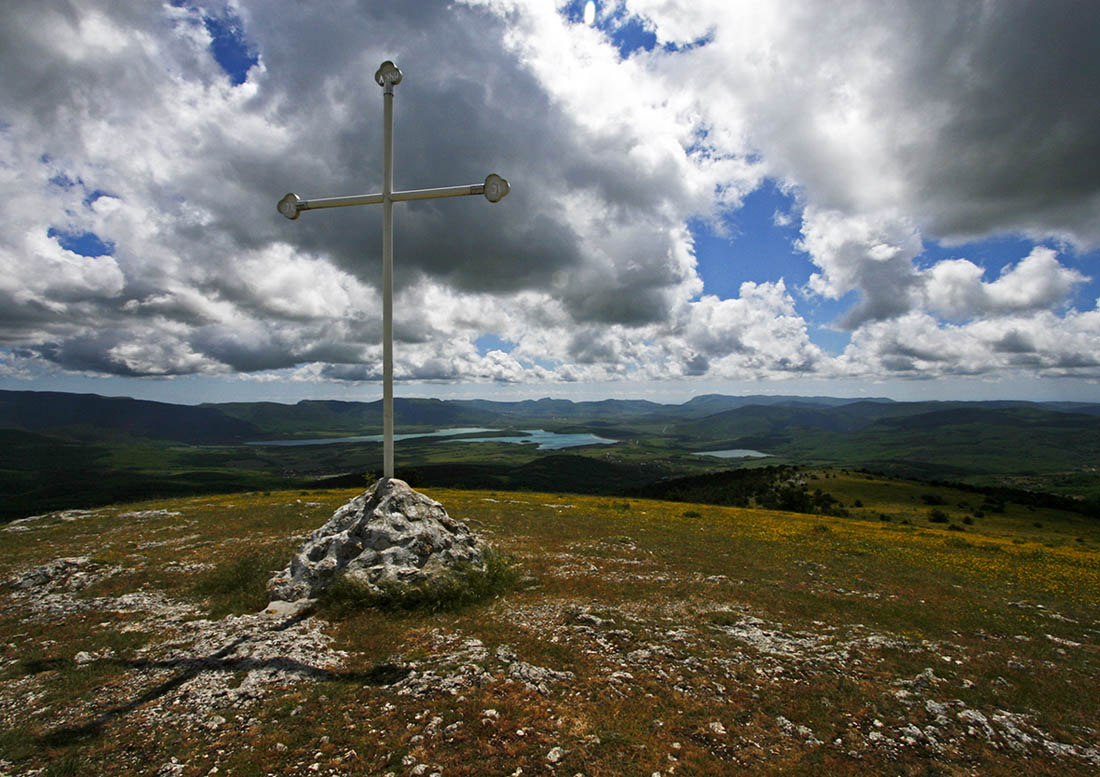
(388, 76)
(494, 188)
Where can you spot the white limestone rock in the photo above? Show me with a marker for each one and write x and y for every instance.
(73, 573)
(389, 534)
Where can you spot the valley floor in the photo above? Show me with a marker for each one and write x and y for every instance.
(644, 638)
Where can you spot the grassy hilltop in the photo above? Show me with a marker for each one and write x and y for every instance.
(639, 637)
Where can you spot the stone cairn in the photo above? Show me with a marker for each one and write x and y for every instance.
(388, 535)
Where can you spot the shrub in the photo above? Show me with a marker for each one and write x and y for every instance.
(239, 585)
(857, 503)
(692, 514)
(937, 516)
(955, 527)
(968, 520)
(933, 499)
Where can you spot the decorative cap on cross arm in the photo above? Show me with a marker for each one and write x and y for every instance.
(290, 206)
(388, 76)
(496, 188)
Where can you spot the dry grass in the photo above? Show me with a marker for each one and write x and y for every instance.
(746, 622)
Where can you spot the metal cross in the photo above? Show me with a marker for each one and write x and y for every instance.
(494, 188)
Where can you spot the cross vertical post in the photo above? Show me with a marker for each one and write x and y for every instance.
(494, 188)
(388, 79)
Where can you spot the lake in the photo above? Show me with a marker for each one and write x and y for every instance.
(734, 453)
(546, 441)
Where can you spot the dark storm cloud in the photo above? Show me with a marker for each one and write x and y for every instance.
(1018, 83)
(1014, 342)
(464, 109)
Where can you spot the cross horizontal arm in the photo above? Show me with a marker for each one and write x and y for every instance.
(494, 188)
(440, 191)
(338, 202)
(376, 199)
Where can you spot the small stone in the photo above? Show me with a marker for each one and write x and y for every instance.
(910, 734)
(278, 609)
(83, 657)
(555, 755)
(537, 677)
(926, 679)
(935, 708)
(716, 727)
(280, 747)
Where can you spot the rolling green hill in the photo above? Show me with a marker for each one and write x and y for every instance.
(318, 418)
(139, 448)
(92, 418)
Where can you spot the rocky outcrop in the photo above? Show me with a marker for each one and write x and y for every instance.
(74, 573)
(389, 534)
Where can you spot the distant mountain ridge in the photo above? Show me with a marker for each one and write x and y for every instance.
(709, 417)
(91, 417)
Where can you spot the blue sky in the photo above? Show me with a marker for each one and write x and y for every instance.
(707, 197)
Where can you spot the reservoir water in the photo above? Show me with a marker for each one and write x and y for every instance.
(735, 453)
(546, 441)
